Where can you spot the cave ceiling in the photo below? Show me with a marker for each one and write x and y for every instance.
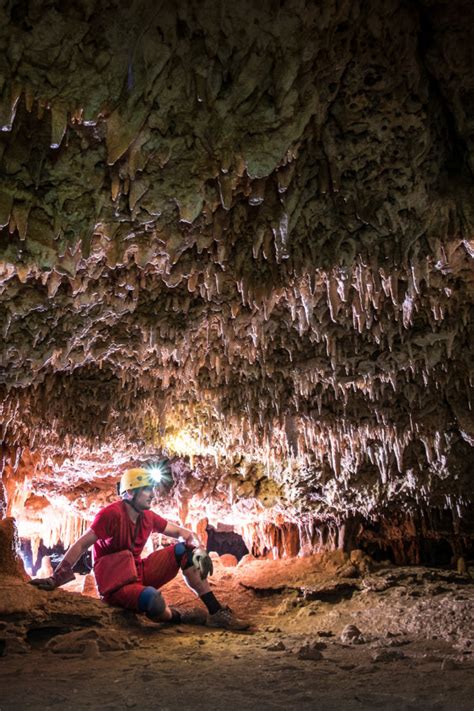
(245, 231)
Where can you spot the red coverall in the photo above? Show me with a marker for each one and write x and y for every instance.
(115, 531)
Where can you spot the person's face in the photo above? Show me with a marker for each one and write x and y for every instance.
(144, 498)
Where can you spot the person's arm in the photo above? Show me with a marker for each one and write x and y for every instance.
(78, 548)
(175, 531)
(63, 573)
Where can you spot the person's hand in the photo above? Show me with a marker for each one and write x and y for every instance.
(63, 574)
(44, 583)
(203, 562)
(191, 540)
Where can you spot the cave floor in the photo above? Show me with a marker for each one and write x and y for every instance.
(415, 650)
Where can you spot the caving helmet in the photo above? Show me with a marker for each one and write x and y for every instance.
(135, 479)
(138, 477)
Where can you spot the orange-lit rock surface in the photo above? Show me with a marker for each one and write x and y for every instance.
(10, 561)
(395, 637)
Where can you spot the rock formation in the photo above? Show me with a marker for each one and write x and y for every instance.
(240, 235)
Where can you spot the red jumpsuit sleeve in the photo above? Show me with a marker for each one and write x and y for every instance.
(102, 524)
(159, 523)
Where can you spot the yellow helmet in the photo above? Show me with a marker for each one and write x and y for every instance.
(135, 479)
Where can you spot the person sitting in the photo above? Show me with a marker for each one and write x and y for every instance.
(119, 533)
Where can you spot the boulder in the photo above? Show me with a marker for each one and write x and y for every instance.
(106, 640)
(10, 560)
(388, 655)
(352, 635)
(89, 586)
(357, 556)
(348, 571)
(46, 569)
(228, 560)
(311, 651)
(275, 647)
(363, 562)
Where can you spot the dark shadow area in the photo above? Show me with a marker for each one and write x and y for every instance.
(37, 637)
(379, 552)
(436, 552)
(226, 541)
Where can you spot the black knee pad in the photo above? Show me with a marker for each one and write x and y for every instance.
(184, 555)
(152, 602)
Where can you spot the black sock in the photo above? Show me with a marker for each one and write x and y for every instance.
(211, 602)
(175, 617)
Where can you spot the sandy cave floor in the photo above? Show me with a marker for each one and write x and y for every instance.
(64, 650)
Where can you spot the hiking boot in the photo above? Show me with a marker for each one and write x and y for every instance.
(226, 619)
(195, 616)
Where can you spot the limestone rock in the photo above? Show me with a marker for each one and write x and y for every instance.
(357, 556)
(106, 640)
(352, 635)
(10, 561)
(245, 560)
(275, 647)
(311, 651)
(228, 560)
(16, 645)
(89, 586)
(362, 561)
(388, 655)
(17, 597)
(46, 569)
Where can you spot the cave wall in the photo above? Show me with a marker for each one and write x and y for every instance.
(53, 508)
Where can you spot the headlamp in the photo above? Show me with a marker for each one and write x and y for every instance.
(160, 472)
(155, 472)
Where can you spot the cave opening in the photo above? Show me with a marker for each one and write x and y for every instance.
(224, 540)
(54, 555)
(379, 551)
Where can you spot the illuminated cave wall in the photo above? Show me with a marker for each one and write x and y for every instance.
(53, 506)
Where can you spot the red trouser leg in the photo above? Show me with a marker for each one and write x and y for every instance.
(160, 567)
(156, 570)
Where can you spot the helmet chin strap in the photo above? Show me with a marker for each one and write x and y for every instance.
(131, 502)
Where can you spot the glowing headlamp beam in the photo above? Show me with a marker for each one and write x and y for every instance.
(156, 473)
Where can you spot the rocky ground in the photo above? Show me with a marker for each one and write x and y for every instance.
(328, 633)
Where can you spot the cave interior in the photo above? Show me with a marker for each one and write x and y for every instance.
(240, 237)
